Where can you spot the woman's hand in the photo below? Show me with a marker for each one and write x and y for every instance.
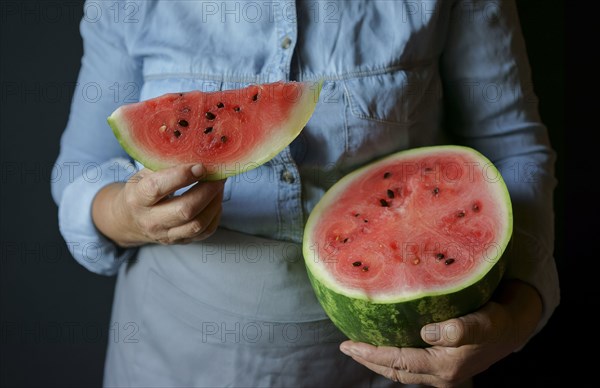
(141, 211)
(462, 347)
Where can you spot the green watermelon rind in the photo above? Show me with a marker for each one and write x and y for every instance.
(302, 113)
(397, 321)
(399, 324)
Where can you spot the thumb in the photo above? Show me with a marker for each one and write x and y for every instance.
(472, 328)
(154, 186)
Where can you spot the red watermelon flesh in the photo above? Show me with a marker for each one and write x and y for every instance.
(452, 227)
(228, 131)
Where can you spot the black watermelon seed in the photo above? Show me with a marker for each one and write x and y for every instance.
(365, 268)
(436, 191)
(475, 207)
(449, 261)
(255, 97)
(210, 115)
(208, 129)
(460, 214)
(345, 240)
(439, 256)
(390, 193)
(237, 109)
(384, 203)
(428, 169)
(183, 123)
(356, 214)
(220, 105)
(387, 175)
(176, 133)
(180, 94)
(357, 264)
(366, 220)
(223, 139)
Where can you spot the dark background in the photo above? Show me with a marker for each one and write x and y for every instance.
(54, 321)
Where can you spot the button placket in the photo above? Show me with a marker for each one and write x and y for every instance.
(287, 20)
(289, 198)
(290, 212)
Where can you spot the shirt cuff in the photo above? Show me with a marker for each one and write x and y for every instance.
(85, 242)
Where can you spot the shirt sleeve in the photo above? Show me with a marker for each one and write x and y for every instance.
(90, 156)
(491, 107)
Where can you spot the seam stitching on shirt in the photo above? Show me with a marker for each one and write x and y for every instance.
(301, 77)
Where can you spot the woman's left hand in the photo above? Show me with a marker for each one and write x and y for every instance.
(461, 347)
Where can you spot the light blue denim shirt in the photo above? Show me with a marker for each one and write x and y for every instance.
(398, 74)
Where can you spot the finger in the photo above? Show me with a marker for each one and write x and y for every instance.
(200, 227)
(212, 228)
(406, 365)
(178, 211)
(474, 328)
(401, 375)
(138, 176)
(411, 360)
(151, 187)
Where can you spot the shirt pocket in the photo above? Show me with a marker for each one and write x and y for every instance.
(384, 111)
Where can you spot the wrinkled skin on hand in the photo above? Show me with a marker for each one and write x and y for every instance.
(143, 210)
(461, 347)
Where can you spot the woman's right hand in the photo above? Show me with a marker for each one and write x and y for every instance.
(142, 211)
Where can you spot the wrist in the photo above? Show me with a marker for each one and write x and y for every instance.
(111, 216)
(524, 305)
(124, 231)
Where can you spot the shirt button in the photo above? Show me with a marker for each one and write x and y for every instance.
(286, 42)
(287, 177)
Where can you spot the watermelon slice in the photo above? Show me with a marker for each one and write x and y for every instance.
(411, 239)
(230, 132)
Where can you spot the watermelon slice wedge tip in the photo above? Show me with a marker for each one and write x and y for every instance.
(230, 132)
(414, 238)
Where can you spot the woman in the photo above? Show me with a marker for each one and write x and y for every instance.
(200, 309)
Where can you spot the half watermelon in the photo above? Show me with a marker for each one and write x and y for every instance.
(412, 239)
(230, 132)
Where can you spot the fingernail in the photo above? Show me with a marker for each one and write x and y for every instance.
(431, 333)
(350, 350)
(197, 170)
(345, 349)
(451, 333)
